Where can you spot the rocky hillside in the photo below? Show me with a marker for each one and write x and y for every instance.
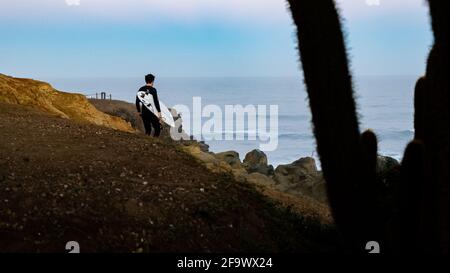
(299, 185)
(43, 96)
(63, 180)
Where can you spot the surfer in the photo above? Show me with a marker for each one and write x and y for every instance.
(150, 120)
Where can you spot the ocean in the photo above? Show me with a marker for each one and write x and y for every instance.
(385, 105)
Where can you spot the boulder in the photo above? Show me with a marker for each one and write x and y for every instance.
(296, 171)
(388, 172)
(230, 157)
(301, 178)
(386, 164)
(256, 161)
(203, 146)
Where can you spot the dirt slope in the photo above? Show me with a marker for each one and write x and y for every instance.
(113, 191)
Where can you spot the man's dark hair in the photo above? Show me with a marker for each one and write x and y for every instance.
(149, 78)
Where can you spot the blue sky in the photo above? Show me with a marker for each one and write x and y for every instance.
(101, 38)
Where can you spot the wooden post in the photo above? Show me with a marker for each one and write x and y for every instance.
(96, 96)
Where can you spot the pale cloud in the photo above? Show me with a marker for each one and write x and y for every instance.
(73, 2)
(177, 10)
(261, 11)
(360, 9)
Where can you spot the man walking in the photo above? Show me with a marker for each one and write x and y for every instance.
(150, 119)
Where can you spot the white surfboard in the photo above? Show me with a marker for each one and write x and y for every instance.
(147, 101)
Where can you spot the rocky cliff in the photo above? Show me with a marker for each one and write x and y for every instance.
(43, 96)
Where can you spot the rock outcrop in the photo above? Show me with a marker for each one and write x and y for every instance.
(212, 163)
(304, 196)
(230, 157)
(121, 109)
(256, 161)
(43, 96)
(301, 178)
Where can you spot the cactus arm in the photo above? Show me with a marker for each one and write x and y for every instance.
(329, 86)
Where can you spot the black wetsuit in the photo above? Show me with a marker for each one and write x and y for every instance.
(150, 120)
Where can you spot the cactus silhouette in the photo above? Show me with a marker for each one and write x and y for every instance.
(419, 221)
(431, 125)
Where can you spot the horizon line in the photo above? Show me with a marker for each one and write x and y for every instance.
(217, 76)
